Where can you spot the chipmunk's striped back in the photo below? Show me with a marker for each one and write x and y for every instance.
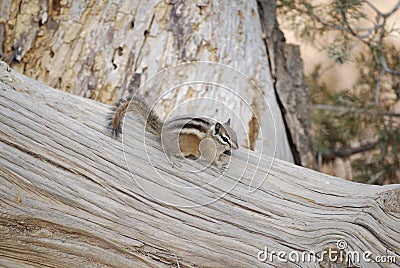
(185, 136)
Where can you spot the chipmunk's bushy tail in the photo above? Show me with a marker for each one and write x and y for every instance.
(138, 105)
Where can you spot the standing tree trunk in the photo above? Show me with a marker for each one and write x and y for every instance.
(105, 50)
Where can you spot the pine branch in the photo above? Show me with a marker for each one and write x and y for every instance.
(342, 109)
(344, 153)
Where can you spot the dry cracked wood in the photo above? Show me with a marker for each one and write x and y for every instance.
(68, 198)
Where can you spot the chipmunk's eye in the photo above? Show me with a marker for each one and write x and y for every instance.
(226, 140)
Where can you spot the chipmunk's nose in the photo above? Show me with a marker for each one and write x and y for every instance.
(234, 146)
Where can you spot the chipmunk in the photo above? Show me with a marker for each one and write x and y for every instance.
(199, 137)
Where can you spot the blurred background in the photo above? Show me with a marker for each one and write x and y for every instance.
(351, 60)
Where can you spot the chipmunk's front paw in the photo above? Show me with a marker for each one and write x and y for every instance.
(222, 165)
(175, 161)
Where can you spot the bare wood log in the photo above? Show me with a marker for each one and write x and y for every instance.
(67, 197)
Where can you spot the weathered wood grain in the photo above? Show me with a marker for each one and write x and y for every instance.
(68, 199)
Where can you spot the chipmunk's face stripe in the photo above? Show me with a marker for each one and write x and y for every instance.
(226, 140)
(232, 135)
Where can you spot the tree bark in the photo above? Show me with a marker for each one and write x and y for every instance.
(71, 196)
(289, 84)
(107, 50)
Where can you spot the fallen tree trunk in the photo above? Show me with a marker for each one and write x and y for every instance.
(67, 198)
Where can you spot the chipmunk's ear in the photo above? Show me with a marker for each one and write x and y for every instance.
(228, 122)
(217, 128)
